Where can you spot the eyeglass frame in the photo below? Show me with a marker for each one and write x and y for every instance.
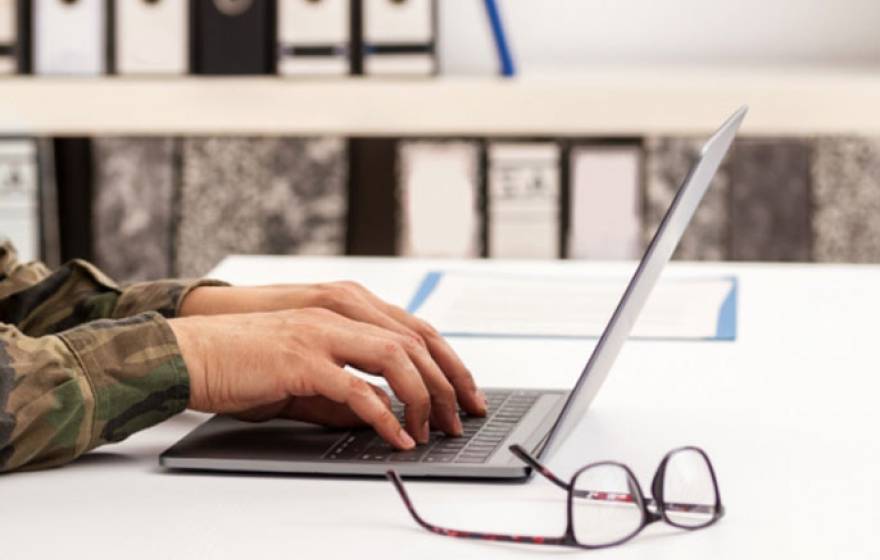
(569, 538)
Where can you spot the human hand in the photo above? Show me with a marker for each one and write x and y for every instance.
(290, 364)
(353, 301)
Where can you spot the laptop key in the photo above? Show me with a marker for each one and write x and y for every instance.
(471, 459)
(411, 456)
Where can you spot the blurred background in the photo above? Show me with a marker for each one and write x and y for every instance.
(155, 137)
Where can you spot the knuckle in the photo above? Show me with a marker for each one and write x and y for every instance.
(426, 329)
(358, 388)
(385, 417)
(445, 394)
(349, 285)
(422, 401)
(393, 351)
(412, 343)
(330, 296)
(383, 396)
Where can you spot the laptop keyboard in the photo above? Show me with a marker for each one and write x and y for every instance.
(481, 438)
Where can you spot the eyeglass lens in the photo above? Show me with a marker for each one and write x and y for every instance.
(605, 506)
(689, 494)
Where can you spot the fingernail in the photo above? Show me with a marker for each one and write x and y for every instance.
(459, 429)
(483, 399)
(406, 441)
(426, 432)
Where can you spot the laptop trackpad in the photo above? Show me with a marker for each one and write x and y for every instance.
(224, 437)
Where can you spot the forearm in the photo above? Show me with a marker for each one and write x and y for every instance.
(222, 300)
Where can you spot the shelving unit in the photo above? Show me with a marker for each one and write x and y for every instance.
(604, 102)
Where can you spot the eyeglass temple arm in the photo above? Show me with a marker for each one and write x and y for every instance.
(601, 495)
(398, 484)
(526, 457)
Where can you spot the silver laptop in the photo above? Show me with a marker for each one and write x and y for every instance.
(536, 419)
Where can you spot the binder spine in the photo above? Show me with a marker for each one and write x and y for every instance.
(233, 37)
(397, 42)
(23, 36)
(523, 206)
(313, 37)
(150, 37)
(69, 37)
(8, 37)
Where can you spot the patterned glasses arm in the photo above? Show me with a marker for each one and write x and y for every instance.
(530, 539)
(600, 496)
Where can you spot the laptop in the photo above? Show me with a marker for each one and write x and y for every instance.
(538, 420)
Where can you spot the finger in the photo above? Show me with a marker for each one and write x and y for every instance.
(444, 411)
(353, 344)
(343, 387)
(346, 300)
(471, 398)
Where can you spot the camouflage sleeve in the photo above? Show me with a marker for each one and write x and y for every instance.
(62, 395)
(82, 361)
(39, 301)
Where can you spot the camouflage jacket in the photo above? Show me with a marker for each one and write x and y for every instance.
(83, 362)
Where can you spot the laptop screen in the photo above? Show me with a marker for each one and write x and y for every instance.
(658, 253)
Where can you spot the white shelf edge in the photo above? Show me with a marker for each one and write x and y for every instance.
(608, 103)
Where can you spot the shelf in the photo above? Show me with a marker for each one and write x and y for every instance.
(600, 103)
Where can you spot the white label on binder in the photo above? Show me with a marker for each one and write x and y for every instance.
(151, 36)
(398, 21)
(7, 35)
(313, 23)
(7, 22)
(605, 203)
(439, 199)
(523, 206)
(69, 37)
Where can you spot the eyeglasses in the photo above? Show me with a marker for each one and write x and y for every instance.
(606, 506)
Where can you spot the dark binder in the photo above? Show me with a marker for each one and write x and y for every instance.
(23, 29)
(232, 37)
(73, 179)
(372, 200)
(770, 200)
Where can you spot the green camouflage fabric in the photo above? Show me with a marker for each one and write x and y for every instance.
(83, 362)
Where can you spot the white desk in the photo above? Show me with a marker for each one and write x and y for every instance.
(788, 413)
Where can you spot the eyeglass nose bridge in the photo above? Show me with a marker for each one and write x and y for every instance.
(652, 516)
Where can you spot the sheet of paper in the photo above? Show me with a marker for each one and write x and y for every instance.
(485, 304)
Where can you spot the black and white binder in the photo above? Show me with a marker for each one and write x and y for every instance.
(770, 199)
(8, 36)
(523, 203)
(439, 198)
(399, 37)
(313, 37)
(259, 196)
(605, 203)
(133, 198)
(151, 36)
(69, 37)
(232, 37)
(19, 197)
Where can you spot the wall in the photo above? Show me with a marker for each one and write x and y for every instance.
(554, 35)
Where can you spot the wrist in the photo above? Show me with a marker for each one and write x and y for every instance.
(189, 345)
(199, 301)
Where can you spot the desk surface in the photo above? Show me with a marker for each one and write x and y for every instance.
(788, 413)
